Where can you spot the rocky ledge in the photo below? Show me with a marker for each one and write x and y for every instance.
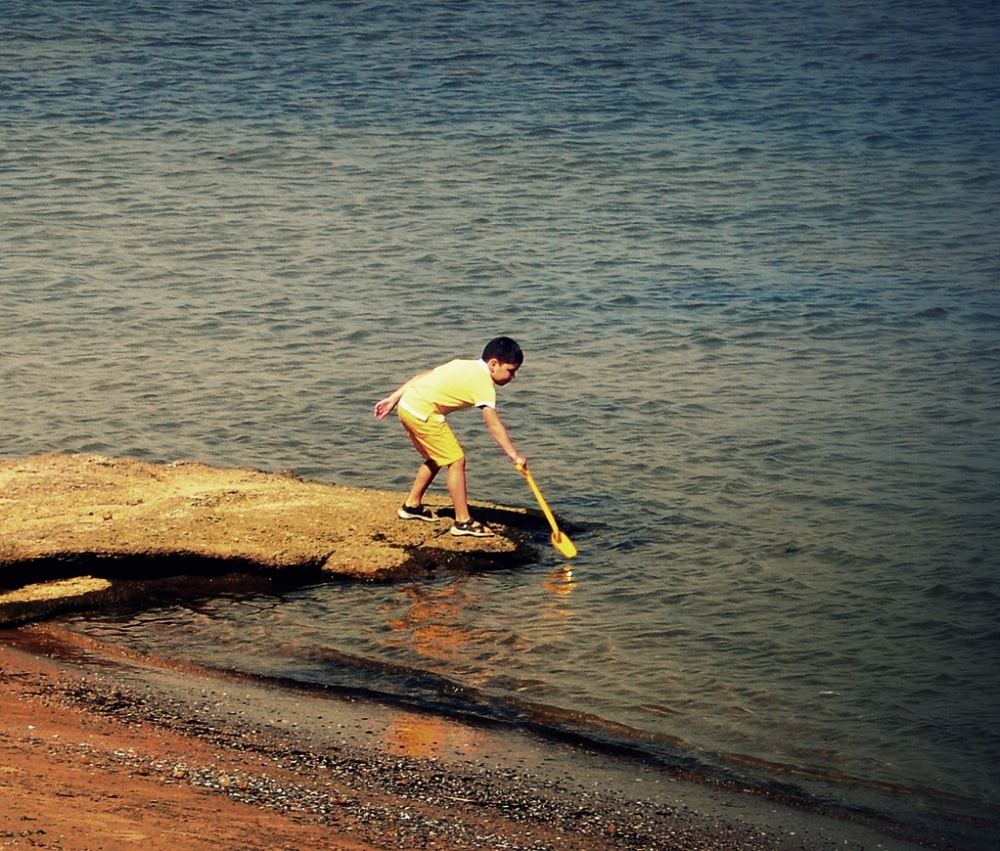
(85, 530)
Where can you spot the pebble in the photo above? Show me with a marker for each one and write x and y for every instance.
(398, 802)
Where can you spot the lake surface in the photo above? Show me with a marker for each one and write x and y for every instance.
(750, 251)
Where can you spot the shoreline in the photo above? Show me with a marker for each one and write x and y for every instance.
(103, 748)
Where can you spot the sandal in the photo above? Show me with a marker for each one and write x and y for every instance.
(421, 512)
(472, 527)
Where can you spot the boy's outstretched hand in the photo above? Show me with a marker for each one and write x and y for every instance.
(385, 406)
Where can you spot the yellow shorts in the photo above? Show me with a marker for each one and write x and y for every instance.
(433, 439)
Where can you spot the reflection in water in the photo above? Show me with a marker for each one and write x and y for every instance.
(437, 625)
(449, 625)
(560, 581)
(560, 585)
(427, 736)
(433, 625)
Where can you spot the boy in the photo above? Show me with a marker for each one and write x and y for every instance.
(423, 403)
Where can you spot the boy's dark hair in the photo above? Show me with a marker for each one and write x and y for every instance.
(505, 350)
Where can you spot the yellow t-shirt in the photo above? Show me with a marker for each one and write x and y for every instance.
(451, 387)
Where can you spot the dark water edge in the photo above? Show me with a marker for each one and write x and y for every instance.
(668, 806)
(885, 810)
(916, 815)
(479, 768)
(924, 817)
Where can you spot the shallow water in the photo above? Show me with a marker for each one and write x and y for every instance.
(749, 250)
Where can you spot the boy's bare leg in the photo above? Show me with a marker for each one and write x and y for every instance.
(457, 490)
(459, 498)
(425, 475)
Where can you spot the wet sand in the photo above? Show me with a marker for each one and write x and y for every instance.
(100, 750)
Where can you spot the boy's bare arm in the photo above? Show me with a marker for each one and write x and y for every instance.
(498, 431)
(386, 406)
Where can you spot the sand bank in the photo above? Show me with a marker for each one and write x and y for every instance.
(84, 529)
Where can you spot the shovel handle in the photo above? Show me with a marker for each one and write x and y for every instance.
(524, 471)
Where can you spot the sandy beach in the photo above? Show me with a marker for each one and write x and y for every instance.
(101, 751)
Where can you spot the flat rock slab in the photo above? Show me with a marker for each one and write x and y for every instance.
(64, 516)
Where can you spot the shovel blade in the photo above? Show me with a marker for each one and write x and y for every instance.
(563, 544)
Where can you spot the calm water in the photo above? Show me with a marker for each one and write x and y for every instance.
(750, 250)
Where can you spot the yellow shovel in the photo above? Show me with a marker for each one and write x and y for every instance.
(560, 540)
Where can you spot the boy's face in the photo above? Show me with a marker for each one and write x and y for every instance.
(502, 373)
